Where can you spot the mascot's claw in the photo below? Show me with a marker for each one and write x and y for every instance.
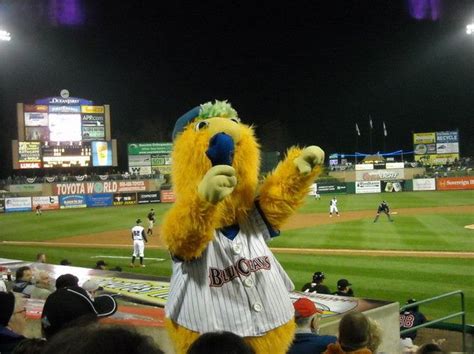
(309, 158)
(217, 183)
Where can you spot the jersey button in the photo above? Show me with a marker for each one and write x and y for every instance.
(248, 282)
(257, 307)
(237, 248)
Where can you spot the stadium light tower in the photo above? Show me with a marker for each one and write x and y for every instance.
(470, 29)
(5, 36)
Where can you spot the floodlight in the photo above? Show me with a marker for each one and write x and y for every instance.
(5, 36)
(470, 28)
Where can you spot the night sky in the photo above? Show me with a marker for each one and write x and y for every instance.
(304, 72)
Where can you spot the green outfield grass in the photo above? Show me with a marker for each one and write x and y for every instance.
(386, 278)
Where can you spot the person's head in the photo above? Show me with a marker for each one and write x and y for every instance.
(70, 306)
(41, 258)
(24, 274)
(430, 348)
(91, 286)
(415, 308)
(151, 209)
(99, 339)
(66, 281)
(375, 336)
(12, 312)
(65, 262)
(100, 264)
(354, 331)
(220, 342)
(306, 314)
(30, 346)
(318, 277)
(139, 221)
(343, 285)
(43, 280)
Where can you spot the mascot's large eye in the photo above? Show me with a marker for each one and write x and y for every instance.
(235, 119)
(201, 125)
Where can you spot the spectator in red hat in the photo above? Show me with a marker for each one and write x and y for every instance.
(307, 339)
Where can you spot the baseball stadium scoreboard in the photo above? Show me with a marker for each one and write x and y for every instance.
(63, 132)
(436, 148)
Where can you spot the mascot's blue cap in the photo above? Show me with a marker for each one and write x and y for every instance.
(184, 120)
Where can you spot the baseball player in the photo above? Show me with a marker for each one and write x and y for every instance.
(333, 207)
(38, 209)
(151, 221)
(385, 208)
(139, 240)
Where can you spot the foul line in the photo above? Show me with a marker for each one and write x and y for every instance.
(316, 251)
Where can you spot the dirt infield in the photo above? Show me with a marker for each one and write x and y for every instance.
(121, 238)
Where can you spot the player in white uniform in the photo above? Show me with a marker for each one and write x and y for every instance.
(139, 239)
(333, 207)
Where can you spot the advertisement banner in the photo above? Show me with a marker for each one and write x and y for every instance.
(36, 119)
(364, 166)
(35, 108)
(367, 187)
(390, 187)
(25, 188)
(167, 196)
(92, 109)
(99, 200)
(139, 160)
(424, 138)
(29, 152)
(423, 149)
(125, 198)
(140, 170)
(99, 187)
(390, 165)
(441, 159)
(424, 184)
(447, 148)
(101, 153)
(447, 137)
(18, 204)
(149, 148)
(2, 205)
(384, 175)
(454, 183)
(149, 197)
(47, 203)
(326, 188)
(72, 201)
(65, 109)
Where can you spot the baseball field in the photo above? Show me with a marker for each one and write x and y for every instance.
(428, 250)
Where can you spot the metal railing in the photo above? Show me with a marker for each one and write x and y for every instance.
(462, 313)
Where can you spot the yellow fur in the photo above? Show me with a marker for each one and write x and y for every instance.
(189, 225)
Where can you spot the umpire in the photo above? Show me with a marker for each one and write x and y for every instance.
(383, 207)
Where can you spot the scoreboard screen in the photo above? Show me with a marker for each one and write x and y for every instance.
(67, 155)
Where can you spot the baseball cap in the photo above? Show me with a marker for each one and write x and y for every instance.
(70, 304)
(139, 221)
(7, 306)
(319, 275)
(66, 280)
(91, 285)
(342, 283)
(304, 307)
(100, 263)
(65, 262)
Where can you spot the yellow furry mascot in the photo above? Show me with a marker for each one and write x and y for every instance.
(225, 278)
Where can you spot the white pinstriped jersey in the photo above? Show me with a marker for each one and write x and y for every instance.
(137, 233)
(236, 285)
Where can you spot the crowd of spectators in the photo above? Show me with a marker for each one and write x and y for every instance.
(316, 286)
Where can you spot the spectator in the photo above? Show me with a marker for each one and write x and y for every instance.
(344, 288)
(317, 284)
(100, 340)
(12, 321)
(69, 306)
(65, 262)
(354, 335)
(30, 346)
(23, 283)
(66, 281)
(41, 258)
(410, 318)
(101, 265)
(307, 339)
(219, 343)
(430, 348)
(42, 287)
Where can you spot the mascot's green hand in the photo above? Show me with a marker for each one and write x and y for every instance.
(217, 183)
(309, 158)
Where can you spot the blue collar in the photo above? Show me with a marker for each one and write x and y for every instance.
(230, 231)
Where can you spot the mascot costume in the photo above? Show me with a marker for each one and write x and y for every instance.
(225, 278)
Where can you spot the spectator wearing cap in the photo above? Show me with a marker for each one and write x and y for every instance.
(410, 318)
(344, 288)
(12, 321)
(23, 278)
(220, 342)
(41, 258)
(316, 285)
(354, 335)
(307, 339)
(66, 281)
(42, 287)
(69, 306)
(65, 262)
(101, 265)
